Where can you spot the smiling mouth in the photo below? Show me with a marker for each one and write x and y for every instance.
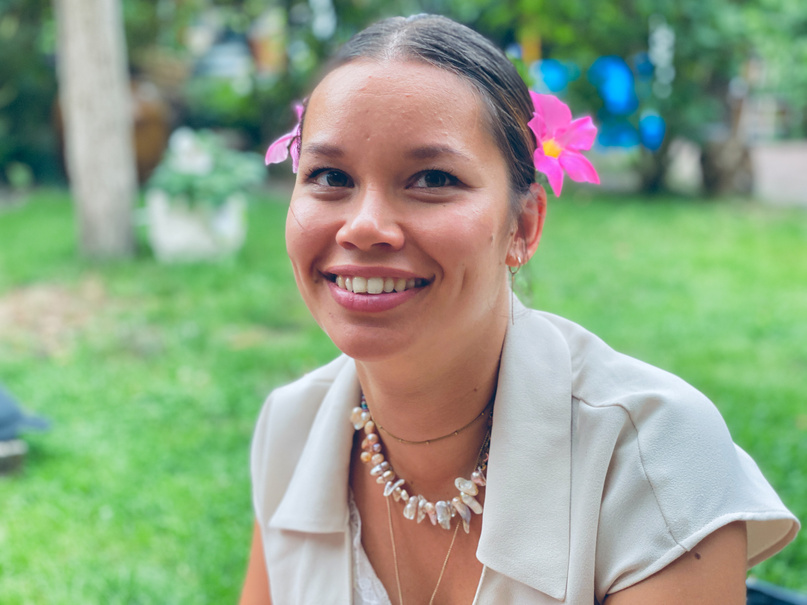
(376, 285)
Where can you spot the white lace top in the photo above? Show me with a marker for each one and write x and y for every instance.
(367, 588)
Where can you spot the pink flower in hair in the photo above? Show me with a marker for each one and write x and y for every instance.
(560, 141)
(288, 144)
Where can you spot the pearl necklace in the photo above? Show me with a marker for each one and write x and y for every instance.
(417, 506)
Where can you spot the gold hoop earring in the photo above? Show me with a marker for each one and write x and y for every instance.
(513, 272)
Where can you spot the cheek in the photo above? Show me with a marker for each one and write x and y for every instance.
(480, 237)
(306, 231)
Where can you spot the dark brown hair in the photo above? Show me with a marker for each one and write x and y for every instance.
(449, 45)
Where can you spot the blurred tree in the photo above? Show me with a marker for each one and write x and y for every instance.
(96, 108)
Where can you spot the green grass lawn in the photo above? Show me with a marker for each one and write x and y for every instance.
(153, 376)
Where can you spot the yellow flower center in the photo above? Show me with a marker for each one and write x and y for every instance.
(552, 149)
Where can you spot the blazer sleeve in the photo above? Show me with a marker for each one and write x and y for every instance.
(675, 477)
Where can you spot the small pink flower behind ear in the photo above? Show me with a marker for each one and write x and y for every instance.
(560, 141)
(288, 144)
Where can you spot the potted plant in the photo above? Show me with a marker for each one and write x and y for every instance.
(195, 204)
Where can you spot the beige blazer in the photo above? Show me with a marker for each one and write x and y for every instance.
(602, 471)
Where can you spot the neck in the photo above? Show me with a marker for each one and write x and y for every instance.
(423, 398)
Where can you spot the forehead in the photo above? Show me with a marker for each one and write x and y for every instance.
(406, 102)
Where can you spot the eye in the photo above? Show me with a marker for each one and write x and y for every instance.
(328, 177)
(434, 178)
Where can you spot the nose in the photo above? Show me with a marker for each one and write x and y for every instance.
(370, 224)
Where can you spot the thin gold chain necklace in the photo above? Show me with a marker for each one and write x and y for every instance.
(395, 558)
(446, 436)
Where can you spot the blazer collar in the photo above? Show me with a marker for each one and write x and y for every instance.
(525, 526)
(316, 498)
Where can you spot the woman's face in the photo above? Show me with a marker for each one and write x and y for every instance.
(398, 228)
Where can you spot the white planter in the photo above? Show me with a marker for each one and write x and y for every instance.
(179, 232)
(780, 172)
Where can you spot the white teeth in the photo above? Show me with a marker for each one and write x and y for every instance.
(375, 285)
(359, 285)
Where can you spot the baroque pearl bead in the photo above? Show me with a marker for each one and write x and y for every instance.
(466, 487)
(377, 458)
(379, 468)
(411, 508)
(369, 427)
(463, 511)
(392, 486)
(472, 503)
(356, 418)
(421, 505)
(365, 457)
(443, 514)
(478, 478)
(429, 509)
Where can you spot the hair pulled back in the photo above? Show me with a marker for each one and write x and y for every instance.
(446, 44)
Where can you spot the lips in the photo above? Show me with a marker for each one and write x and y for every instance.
(367, 289)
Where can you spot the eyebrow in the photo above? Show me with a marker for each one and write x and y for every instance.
(433, 151)
(324, 149)
(426, 152)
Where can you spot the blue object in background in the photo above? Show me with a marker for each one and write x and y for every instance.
(615, 131)
(13, 420)
(513, 50)
(652, 128)
(644, 66)
(614, 81)
(553, 76)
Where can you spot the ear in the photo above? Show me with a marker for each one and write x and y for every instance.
(529, 228)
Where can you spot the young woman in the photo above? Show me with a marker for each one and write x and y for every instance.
(576, 474)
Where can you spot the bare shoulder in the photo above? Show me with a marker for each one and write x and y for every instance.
(712, 573)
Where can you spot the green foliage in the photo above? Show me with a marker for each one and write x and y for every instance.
(199, 168)
(778, 29)
(140, 492)
(27, 89)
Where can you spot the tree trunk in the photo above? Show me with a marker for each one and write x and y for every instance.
(96, 107)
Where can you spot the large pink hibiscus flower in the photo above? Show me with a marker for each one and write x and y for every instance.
(560, 141)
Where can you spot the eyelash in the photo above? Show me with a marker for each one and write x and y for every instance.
(313, 173)
(453, 181)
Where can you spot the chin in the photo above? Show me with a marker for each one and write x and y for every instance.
(368, 344)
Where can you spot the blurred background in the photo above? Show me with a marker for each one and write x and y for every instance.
(147, 306)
